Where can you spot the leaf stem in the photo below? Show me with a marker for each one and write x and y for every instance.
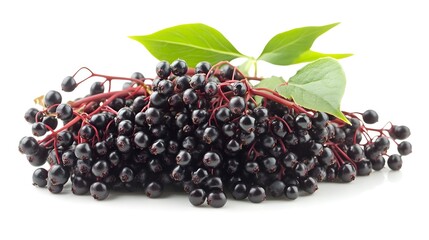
(254, 78)
(255, 65)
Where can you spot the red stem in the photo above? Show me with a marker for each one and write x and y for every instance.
(345, 156)
(274, 97)
(101, 96)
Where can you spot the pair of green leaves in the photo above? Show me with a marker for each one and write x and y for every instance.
(199, 42)
(319, 85)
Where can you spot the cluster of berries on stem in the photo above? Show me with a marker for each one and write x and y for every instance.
(201, 130)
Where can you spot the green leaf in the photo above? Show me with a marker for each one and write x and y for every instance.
(318, 86)
(245, 67)
(310, 56)
(286, 47)
(270, 83)
(190, 42)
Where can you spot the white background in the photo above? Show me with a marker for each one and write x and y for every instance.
(43, 41)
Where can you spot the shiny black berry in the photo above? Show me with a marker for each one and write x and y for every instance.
(394, 162)
(163, 69)
(179, 67)
(197, 197)
(370, 116)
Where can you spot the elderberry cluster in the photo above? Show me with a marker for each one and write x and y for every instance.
(200, 130)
